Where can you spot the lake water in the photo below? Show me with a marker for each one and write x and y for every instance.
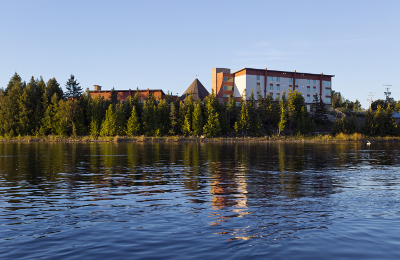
(199, 201)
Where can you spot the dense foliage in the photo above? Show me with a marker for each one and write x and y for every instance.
(40, 108)
(338, 101)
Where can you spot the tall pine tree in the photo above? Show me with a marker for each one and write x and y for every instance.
(73, 89)
(283, 103)
(133, 125)
(197, 124)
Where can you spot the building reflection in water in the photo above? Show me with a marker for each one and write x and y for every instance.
(228, 188)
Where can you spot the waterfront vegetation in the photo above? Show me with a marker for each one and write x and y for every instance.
(341, 137)
(39, 111)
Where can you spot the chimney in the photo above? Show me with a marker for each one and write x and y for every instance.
(97, 87)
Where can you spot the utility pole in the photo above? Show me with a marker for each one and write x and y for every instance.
(387, 93)
(370, 99)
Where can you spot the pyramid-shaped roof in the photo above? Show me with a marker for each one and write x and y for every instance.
(197, 89)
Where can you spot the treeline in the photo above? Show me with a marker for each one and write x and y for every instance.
(339, 102)
(376, 123)
(40, 108)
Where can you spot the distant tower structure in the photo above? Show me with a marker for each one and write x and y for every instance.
(214, 76)
(370, 99)
(387, 93)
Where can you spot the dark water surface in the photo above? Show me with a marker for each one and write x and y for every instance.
(199, 201)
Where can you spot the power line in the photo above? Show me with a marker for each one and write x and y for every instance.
(387, 93)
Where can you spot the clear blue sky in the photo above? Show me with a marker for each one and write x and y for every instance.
(165, 44)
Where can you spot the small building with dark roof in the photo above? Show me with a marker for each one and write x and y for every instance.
(197, 90)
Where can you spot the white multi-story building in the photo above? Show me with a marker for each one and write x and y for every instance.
(271, 82)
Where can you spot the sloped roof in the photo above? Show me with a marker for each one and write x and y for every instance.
(197, 89)
(396, 115)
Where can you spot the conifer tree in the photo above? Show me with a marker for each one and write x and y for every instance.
(232, 111)
(320, 113)
(243, 123)
(169, 98)
(48, 123)
(15, 82)
(163, 121)
(295, 106)
(261, 109)
(94, 128)
(174, 119)
(283, 110)
(346, 125)
(53, 87)
(30, 107)
(379, 122)
(109, 125)
(26, 109)
(304, 124)
(128, 104)
(149, 118)
(181, 117)
(336, 127)
(351, 125)
(213, 101)
(120, 120)
(268, 111)
(224, 120)
(197, 124)
(114, 97)
(258, 125)
(368, 123)
(189, 106)
(133, 125)
(73, 89)
(85, 112)
(9, 107)
(41, 94)
(252, 112)
(63, 122)
(186, 129)
(72, 112)
(137, 102)
(96, 112)
(390, 123)
(212, 126)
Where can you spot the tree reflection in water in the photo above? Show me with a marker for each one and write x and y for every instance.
(245, 190)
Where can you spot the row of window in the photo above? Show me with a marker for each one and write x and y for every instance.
(278, 79)
(327, 99)
(271, 87)
(327, 91)
(278, 88)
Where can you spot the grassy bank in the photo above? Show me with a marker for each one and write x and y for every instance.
(169, 139)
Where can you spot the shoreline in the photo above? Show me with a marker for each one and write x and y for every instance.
(341, 138)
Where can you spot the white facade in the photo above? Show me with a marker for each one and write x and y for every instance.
(307, 87)
(239, 85)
